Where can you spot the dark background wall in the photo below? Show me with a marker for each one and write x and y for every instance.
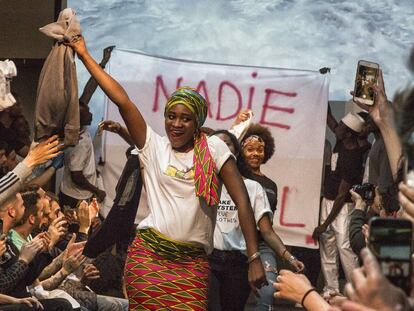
(22, 42)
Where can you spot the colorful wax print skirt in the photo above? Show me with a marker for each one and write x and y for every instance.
(162, 274)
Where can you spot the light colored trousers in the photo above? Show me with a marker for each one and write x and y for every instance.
(334, 241)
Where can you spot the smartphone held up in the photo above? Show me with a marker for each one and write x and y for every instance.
(366, 77)
(390, 240)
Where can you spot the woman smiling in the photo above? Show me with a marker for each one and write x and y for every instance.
(167, 263)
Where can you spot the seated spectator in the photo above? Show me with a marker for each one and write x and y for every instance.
(19, 269)
(32, 219)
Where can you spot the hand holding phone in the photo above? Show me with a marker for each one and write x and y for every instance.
(365, 79)
(390, 240)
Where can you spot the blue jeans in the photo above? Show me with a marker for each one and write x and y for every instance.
(228, 283)
(108, 303)
(268, 257)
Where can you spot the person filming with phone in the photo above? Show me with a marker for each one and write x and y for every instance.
(369, 201)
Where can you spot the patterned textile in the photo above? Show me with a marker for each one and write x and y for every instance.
(190, 99)
(162, 274)
(206, 182)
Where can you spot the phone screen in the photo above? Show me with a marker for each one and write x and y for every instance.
(390, 241)
(366, 78)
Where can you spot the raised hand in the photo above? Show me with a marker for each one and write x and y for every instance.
(371, 288)
(381, 111)
(44, 239)
(43, 152)
(73, 247)
(93, 209)
(74, 261)
(84, 217)
(30, 250)
(78, 45)
(57, 229)
(109, 125)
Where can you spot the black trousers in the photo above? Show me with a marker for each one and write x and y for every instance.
(55, 304)
(229, 287)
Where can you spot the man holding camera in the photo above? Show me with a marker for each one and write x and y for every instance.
(346, 170)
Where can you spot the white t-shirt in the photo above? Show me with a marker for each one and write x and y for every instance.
(228, 234)
(174, 208)
(79, 158)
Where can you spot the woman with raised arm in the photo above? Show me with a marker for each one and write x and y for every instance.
(167, 265)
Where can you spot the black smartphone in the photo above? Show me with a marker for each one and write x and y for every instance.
(390, 240)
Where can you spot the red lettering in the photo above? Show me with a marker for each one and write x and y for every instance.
(283, 209)
(178, 84)
(266, 106)
(220, 95)
(159, 83)
(250, 102)
(251, 92)
(202, 86)
(309, 239)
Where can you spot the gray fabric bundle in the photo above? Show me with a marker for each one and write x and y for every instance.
(57, 104)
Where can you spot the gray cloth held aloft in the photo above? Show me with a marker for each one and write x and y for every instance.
(57, 104)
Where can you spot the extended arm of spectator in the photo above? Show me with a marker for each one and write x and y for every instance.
(41, 261)
(356, 236)
(44, 178)
(52, 268)
(12, 181)
(297, 288)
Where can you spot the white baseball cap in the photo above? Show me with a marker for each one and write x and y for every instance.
(354, 122)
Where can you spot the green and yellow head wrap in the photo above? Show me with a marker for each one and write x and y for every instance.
(190, 99)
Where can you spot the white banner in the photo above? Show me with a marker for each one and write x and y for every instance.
(292, 103)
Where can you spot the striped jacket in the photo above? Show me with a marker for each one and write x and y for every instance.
(13, 180)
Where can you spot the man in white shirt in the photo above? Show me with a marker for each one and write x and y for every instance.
(79, 178)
